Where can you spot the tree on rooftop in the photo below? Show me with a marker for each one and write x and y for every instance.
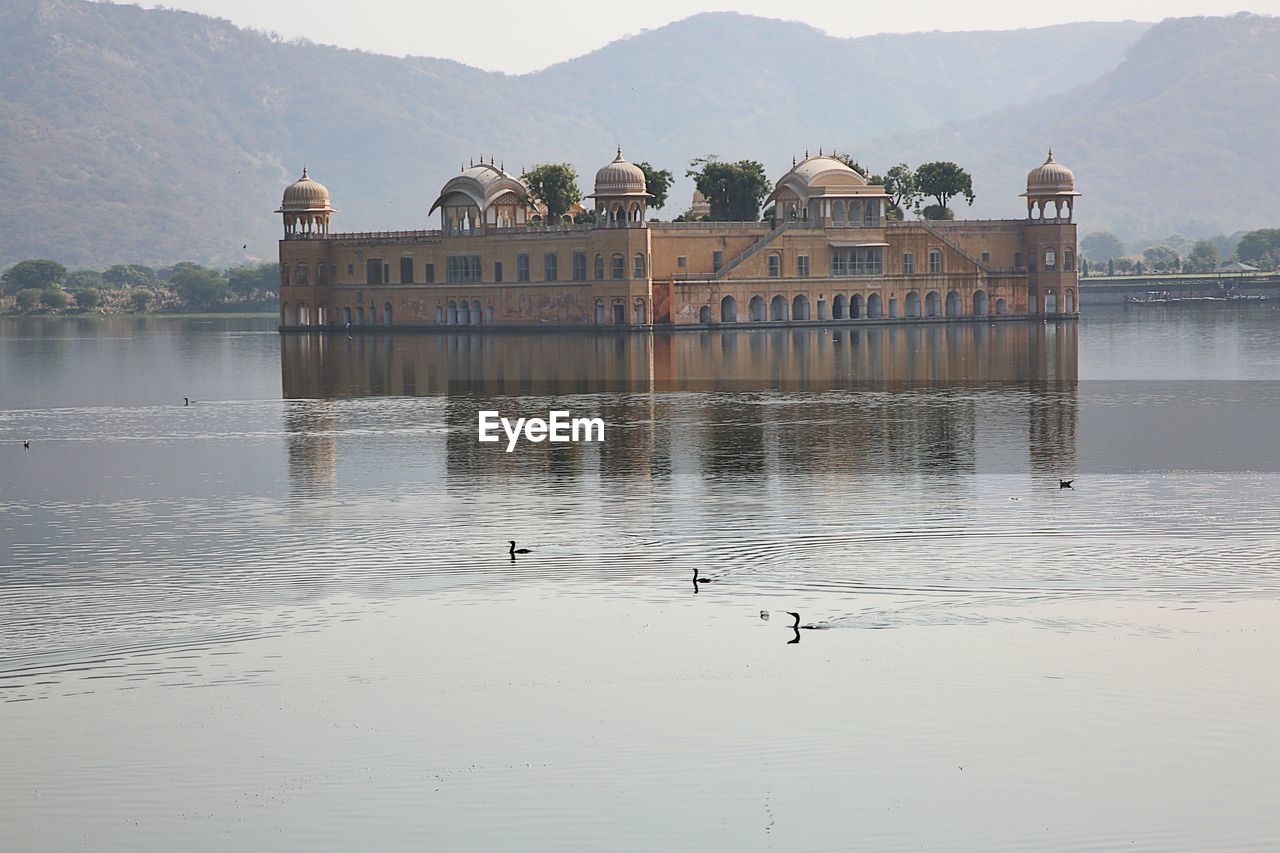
(735, 191)
(900, 184)
(944, 180)
(657, 182)
(554, 185)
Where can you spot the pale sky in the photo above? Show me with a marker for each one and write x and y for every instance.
(499, 35)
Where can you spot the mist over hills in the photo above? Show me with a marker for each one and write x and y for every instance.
(1180, 137)
(155, 135)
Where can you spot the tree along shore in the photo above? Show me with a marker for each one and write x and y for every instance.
(42, 286)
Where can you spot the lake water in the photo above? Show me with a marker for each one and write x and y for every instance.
(285, 618)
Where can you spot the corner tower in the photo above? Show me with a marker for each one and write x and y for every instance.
(1049, 239)
(622, 198)
(306, 208)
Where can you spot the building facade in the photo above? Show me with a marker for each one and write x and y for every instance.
(829, 254)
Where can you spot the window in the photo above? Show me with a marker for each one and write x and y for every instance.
(549, 264)
(373, 271)
(837, 213)
(322, 274)
(860, 260)
(431, 273)
(579, 266)
(351, 269)
(619, 266)
(802, 266)
(300, 275)
(682, 262)
(406, 270)
(908, 263)
(463, 268)
(1017, 259)
(386, 272)
(497, 271)
(717, 261)
(522, 267)
(871, 213)
(637, 266)
(935, 262)
(599, 267)
(775, 265)
(1050, 259)
(986, 257)
(1068, 260)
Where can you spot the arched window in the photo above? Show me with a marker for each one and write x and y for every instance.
(637, 266)
(728, 310)
(1068, 259)
(599, 267)
(300, 275)
(619, 267)
(284, 275)
(1050, 259)
(579, 266)
(837, 212)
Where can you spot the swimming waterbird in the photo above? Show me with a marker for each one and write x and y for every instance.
(697, 580)
(1065, 484)
(514, 550)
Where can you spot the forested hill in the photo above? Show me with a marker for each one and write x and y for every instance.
(1180, 137)
(151, 135)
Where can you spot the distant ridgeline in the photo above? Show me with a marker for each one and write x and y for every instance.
(138, 135)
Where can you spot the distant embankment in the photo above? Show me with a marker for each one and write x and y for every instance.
(1115, 289)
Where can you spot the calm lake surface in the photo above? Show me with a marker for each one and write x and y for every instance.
(284, 617)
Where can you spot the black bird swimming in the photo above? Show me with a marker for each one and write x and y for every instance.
(26, 445)
(514, 550)
(186, 401)
(697, 580)
(1065, 484)
(797, 626)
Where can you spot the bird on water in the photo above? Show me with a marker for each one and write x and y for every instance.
(514, 550)
(186, 401)
(697, 580)
(26, 445)
(1065, 484)
(797, 626)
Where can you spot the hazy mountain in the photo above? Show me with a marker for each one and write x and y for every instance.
(1180, 137)
(147, 135)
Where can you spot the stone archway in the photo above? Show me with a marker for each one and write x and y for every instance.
(800, 307)
(932, 304)
(728, 310)
(955, 305)
(979, 303)
(838, 307)
(778, 308)
(756, 309)
(913, 304)
(873, 307)
(704, 315)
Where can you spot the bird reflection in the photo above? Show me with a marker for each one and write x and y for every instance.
(697, 580)
(795, 639)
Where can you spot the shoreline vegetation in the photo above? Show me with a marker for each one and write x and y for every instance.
(44, 287)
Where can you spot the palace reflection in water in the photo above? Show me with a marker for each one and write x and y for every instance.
(930, 399)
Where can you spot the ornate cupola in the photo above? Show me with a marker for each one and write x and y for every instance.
(306, 208)
(1050, 185)
(621, 196)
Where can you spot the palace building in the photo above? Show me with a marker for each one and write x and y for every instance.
(830, 254)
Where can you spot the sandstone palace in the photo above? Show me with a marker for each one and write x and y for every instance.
(829, 255)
